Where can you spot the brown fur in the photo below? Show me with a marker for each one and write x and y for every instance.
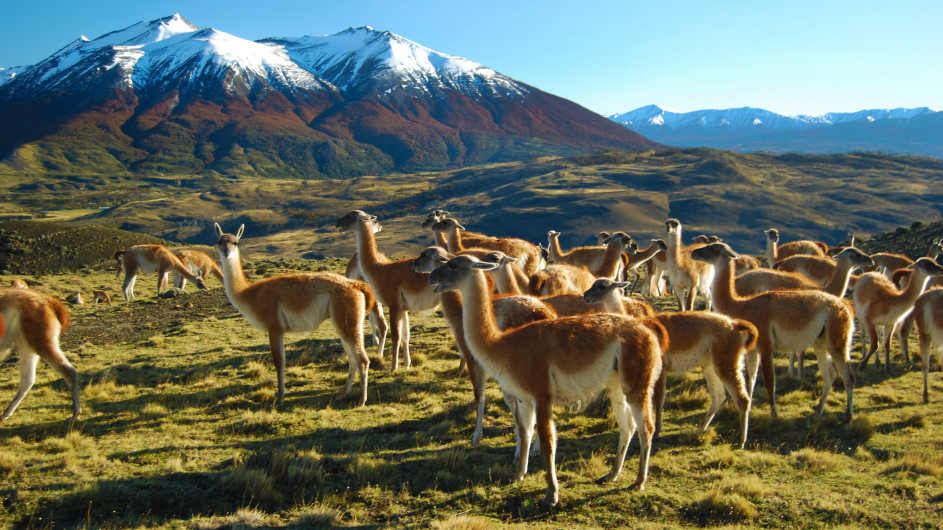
(394, 283)
(712, 341)
(377, 319)
(34, 321)
(163, 261)
(559, 361)
(560, 279)
(457, 240)
(787, 321)
(878, 302)
(101, 296)
(19, 284)
(601, 261)
(776, 252)
(928, 313)
(886, 263)
(298, 302)
(199, 263)
(510, 311)
(817, 269)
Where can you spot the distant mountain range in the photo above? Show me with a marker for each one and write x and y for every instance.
(167, 97)
(917, 131)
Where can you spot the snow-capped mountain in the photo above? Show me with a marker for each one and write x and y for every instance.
(169, 96)
(904, 131)
(367, 62)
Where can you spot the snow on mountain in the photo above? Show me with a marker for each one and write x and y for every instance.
(649, 116)
(192, 56)
(364, 60)
(916, 131)
(7, 74)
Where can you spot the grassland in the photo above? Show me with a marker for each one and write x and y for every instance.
(179, 431)
(716, 192)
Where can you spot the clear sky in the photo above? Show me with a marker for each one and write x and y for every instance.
(792, 57)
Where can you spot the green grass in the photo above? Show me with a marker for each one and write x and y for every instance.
(179, 430)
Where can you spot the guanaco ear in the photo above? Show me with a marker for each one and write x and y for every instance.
(621, 285)
(440, 258)
(242, 228)
(219, 230)
(484, 265)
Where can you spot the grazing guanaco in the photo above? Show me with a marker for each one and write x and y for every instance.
(644, 257)
(151, 258)
(686, 275)
(295, 303)
(528, 255)
(561, 361)
(394, 283)
(199, 263)
(878, 302)
(75, 298)
(19, 284)
(928, 313)
(712, 341)
(787, 321)
(510, 312)
(33, 322)
(102, 296)
(776, 252)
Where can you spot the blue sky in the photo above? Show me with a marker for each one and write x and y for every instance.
(792, 57)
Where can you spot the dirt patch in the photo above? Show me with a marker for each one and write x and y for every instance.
(130, 323)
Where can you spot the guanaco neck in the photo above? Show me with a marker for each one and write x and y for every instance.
(723, 292)
(674, 247)
(506, 282)
(367, 254)
(772, 252)
(233, 277)
(481, 328)
(915, 287)
(838, 283)
(611, 261)
(555, 251)
(453, 239)
(440, 240)
(643, 256)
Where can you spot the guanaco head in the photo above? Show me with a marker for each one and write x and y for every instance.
(498, 257)
(228, 244)
(356, 217)
(673, 226)
(660, 243)
(602, 237)
(624, 240)
(855, 257)
(772, 234)
(704, 239)
(601, 289)
(927, 266)
(714, 253)
(544, 252)
(434, 217)
(456, 272)
(552, 234)
(445, 224)
(430, 258)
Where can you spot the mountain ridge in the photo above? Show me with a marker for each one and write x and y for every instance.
(169, 97)
(908, 131)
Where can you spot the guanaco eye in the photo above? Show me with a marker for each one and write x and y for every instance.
(452, 266)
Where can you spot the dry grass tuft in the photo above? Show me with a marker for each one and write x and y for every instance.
(256, 370)
(152, 411)
(10, 463)
(717, 507)
(815, 460)
(312, 518)
(921, 464)
(746, 485)
(255, 485)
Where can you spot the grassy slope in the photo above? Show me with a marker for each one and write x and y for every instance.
(179, 431)
(735, 195)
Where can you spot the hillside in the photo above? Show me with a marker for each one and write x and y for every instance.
(736, 196)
